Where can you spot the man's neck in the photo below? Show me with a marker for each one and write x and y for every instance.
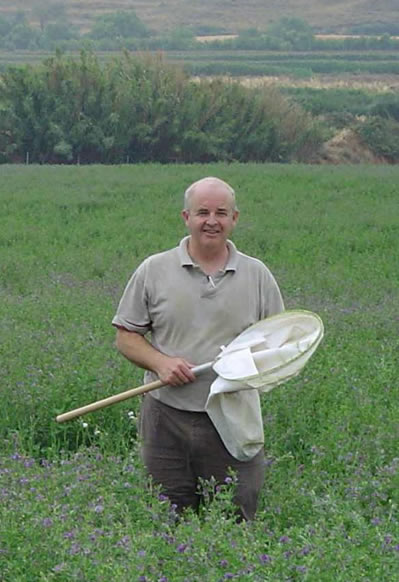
(211, 259)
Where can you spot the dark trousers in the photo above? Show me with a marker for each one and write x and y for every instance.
(179, 446)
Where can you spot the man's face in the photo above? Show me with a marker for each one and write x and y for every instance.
(210, 217)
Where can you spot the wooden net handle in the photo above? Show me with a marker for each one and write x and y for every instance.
(108, 401)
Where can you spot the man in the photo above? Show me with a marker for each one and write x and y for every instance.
(193, 299)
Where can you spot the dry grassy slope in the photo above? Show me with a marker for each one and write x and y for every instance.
(233, 15)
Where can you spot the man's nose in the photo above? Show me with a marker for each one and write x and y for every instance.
(212, 218)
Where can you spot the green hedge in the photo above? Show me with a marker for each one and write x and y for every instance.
(142, 109)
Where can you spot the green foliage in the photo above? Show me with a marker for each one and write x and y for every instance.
(22, 36)
(178, 39)
(381, 134)
(58, 31)
(295, 65)
(55, 108)
(124, 24)
(387, 107)
(123, 29)
(340, 108)
(142, 109)
(336, 101)
(17, 33)
(293, 32)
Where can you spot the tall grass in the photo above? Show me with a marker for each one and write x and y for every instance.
(75, 504)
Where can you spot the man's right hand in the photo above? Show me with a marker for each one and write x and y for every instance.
(171, 370)
(174, 371)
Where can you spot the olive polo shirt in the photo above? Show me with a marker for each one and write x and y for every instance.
(191, 315)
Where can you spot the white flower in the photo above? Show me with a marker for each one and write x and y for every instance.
(84, 424)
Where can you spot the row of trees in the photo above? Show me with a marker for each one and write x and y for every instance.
(140, 109)
(123, 29)
(110, 29)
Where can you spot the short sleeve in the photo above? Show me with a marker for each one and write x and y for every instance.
(132, 313)
(272, 301)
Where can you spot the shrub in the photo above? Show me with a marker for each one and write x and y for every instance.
(145, 110)
(382, 136)
(388, 107)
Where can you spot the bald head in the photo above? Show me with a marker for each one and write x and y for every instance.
(209, 182)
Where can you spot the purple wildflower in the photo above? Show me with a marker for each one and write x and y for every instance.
(375, 521)
(223, 563)
(95, 534)
(228, 576)
(59, 567)
(265, 558)
(181, 548)
(47, 522)
(302, 569)
(141, 553)
(74, 549)
(124, 543)
(99, 508)
(284, 539)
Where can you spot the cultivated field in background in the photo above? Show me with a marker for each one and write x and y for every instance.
(231, 16)
(74, 502)
(338, 69)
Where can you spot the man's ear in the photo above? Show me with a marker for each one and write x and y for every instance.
(185, 214)
(236, 214)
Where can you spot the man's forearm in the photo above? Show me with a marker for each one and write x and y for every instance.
(139, 351)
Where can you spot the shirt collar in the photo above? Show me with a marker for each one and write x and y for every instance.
(187, 261)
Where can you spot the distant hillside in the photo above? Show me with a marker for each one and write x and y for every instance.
(227, 15)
